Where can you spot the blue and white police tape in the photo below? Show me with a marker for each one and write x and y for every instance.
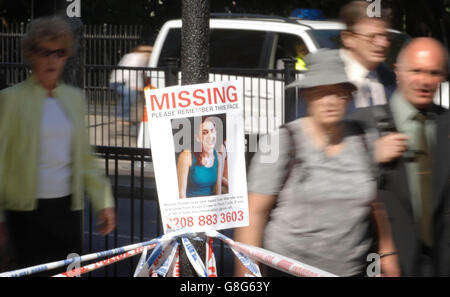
(89, 257)
(245, 253)
(167, 260)
(174, 270)
(194, 258)
(272, 259)
(106, 262)
(158, 255)
(141, 263)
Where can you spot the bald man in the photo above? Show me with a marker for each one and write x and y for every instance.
(414, 153)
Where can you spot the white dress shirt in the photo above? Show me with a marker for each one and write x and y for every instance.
(370, 89)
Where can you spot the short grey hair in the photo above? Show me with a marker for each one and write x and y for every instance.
(47, 29)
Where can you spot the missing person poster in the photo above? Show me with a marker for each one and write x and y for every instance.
(197, 142)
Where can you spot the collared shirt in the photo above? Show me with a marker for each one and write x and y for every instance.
(404, 113)
(363, 79)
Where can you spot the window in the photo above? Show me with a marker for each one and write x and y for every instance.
(229, 48)
(326, 38)
(236, 48)
(171, 47)
(289, 46)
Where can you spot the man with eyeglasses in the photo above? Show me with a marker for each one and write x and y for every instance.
(365, 44)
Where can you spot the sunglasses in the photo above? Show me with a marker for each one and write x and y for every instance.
(44, 53)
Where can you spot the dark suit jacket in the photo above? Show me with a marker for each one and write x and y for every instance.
(394, 191)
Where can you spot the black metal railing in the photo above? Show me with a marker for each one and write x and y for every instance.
(12, 73)
(262, 90)
(105, 90)
(104, 44)
(10, 45)
(131, 175)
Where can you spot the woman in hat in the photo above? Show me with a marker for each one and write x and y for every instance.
(322, 184)
(45, 158)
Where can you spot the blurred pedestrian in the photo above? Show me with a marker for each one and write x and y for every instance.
(305, 205)
(46, 163)
(414, 153)
(365, 44)
(128, 83)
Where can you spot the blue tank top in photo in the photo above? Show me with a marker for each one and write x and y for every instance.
(201, 179)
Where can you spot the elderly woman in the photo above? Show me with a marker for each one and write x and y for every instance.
(321, 184)
(200, 173)
(45, 158)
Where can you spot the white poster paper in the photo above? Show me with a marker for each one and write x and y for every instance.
(197, 142)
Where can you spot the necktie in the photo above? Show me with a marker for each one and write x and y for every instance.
(365, 92)
(368, 91)
(424, 172)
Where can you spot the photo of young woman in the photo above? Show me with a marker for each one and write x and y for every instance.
(200, 170)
